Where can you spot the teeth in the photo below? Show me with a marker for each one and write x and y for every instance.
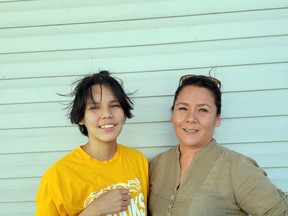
(107, 126)
(191, 130)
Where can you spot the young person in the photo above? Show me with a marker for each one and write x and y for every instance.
(201, 177)
(100, 177)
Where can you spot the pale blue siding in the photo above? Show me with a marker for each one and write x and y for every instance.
(46, 45)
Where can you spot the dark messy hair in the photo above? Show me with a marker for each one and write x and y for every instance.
(210, 83)
(83, 92)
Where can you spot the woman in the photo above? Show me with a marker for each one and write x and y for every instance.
(100, 177)
(201, 177)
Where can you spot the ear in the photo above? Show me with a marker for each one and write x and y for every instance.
(217, 121)
(81, 122)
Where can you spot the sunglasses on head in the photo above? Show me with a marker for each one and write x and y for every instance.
(206, 80)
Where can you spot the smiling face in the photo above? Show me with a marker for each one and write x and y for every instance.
(194, 117)
(104, 117)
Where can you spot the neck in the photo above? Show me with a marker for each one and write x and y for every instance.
(185, 159)
(186, 151)
(103, 151)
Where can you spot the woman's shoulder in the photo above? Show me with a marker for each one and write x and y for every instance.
(237, 159)
(166, 155)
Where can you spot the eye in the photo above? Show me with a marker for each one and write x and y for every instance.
(116, 105)
(203, 110)
(183, 108)
(93, 107)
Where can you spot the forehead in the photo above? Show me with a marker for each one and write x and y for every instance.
(99, 93)
(195, 93)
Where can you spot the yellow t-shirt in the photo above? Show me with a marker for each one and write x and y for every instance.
(74, 181)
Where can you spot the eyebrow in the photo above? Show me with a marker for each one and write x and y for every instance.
(198, 105)
(90, 102)
(182, 103)
(201, 105)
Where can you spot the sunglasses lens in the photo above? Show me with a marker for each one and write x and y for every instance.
(204, 79)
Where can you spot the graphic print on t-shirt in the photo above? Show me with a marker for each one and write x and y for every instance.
(137, 203)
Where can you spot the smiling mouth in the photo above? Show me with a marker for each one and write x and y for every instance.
(190, 130)
(107, 126)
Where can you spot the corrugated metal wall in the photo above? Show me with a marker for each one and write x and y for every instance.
(46, 45)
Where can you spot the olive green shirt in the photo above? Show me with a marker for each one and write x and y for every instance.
(218, 182)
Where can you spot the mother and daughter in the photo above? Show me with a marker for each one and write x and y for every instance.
(196, 177)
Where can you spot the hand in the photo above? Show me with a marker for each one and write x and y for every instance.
(113, 201)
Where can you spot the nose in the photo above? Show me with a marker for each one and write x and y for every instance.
(191, 117)
(106, 113)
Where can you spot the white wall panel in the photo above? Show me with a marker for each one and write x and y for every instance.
(261, 129)
(102, 11)
(17, 208)
(18, 190)
(40, 139)
(144, 32)
(150, 58)
(279, 177)
(46, 45)
(28, 164)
